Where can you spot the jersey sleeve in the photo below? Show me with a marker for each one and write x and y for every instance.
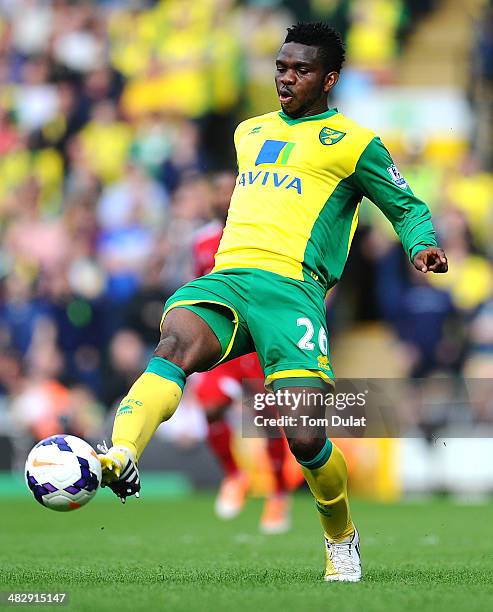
(377, 178)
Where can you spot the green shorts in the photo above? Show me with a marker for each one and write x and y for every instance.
(282, 319)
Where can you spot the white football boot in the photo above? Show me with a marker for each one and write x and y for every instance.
(343, 560)
(119, 471)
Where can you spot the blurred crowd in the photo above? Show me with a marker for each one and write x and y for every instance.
(115, 119)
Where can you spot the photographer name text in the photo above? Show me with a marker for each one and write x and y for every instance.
(306, 421)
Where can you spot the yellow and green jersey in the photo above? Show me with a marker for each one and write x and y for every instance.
(294, 209)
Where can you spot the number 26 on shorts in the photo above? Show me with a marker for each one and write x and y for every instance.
(305, 341)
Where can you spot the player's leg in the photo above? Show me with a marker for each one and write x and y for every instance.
(291, 340)
(325, 472)
(187, 345)
(202, 325)
(215, 391)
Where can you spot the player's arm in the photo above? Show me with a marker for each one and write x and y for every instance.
(377, 177)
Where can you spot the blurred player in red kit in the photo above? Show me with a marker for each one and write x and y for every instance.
(217, 389)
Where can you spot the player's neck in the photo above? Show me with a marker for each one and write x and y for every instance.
(317, 109)
(299, 119)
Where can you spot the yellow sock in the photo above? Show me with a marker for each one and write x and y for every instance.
(326, 475)
(152, 399)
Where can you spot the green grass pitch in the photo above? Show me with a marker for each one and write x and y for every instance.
(172, 554)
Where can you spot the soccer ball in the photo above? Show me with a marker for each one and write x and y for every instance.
(63, 472)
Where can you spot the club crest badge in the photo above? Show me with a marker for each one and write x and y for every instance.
(328, 136)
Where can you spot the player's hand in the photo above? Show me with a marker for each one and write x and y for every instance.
(431, 259)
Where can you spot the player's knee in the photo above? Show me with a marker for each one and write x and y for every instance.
(305, 448)
(188, 342)
(174, 349)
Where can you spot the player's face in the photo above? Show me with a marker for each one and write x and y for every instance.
(302, 82)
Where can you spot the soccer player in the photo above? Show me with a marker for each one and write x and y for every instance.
(216, 389)
(302, 173)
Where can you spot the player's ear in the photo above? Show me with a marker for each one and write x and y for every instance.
(330, 81)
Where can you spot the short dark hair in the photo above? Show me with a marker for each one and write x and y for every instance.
(320, 35)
